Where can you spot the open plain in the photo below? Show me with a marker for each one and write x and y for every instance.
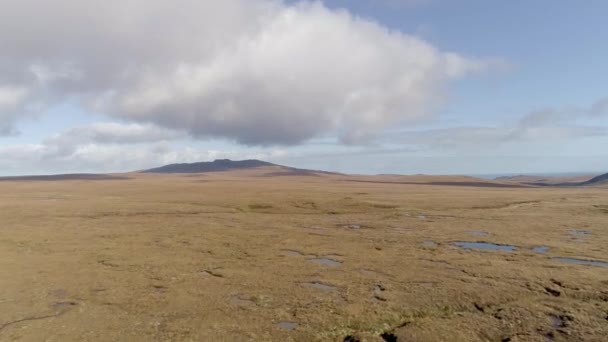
(260, 256)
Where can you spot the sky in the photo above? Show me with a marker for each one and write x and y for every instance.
(356, 86)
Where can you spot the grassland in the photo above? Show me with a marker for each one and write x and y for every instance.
(241, 257)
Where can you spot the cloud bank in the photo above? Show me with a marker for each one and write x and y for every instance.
(545, 125)
(111, 147)
(258, 72)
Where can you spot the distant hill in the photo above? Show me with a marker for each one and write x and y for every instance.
(561, 180)
(601, 179)
(520, 178)
(64, 177)
(219, 165)
(547, 179)
(214, 166)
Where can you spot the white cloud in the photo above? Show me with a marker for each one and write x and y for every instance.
(485, 137)
(111, 147)
(255, 71)
(10, 101)
(11, 97)
(599, 108)
(550, 124)
(390, 3)
(114, 133)
(553, 116)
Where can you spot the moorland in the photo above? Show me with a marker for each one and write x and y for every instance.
(275, 254)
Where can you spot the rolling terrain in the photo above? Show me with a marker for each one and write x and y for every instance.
(248, 255)
(588, 180)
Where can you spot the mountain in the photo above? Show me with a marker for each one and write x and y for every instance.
(230, 165)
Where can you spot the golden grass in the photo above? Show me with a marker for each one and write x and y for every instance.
(203, 258)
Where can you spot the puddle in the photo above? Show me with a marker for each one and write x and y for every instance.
(478, 233)
(540, 249)
(429, 243)
(291, 252)
(316, 228)
(577, 232)
(238, 301)
(485, 245)
(331, 256)
(287, 325)
(370, 273)
(353, 226)
(321, 286)
(64, 305)
(378, 293)
(585, 262)
(556, 322)
(326, 262)
(422, 217)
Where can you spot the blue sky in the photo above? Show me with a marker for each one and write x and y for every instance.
(513, 86)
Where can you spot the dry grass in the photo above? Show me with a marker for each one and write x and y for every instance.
(224, 257)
